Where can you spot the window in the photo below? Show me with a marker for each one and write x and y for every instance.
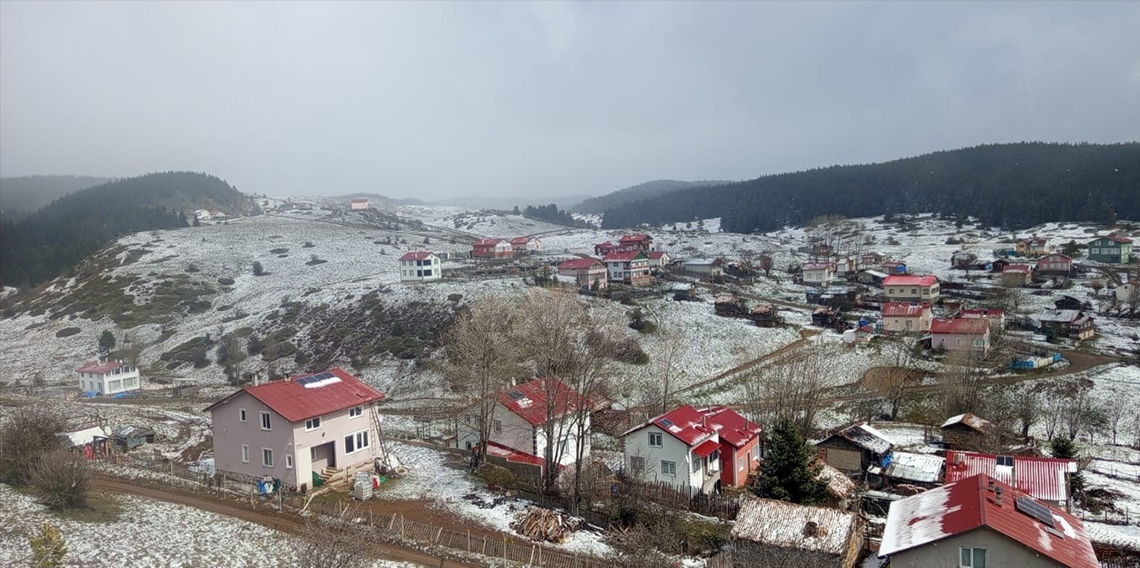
(244, 453)
(265, 420)
(972, 557)
(668, 467)
(356, 442)
(498, 426)
(267, 457)
(427, 272)
(288, 461)
(116, 385)
(696, 465)
(313, 423)
(241, 415)
(1005, 460)
(355, 412)
(655, 439)
(740, 464)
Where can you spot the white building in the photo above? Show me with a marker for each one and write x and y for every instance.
(360, 203)
(106, 377)
(202, 214)
(819, 274)
(678, 447)
(710, 267)
(420, 266)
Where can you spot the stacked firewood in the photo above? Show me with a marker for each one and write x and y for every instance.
(544, 525)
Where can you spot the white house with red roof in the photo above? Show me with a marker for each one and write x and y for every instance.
(1042, 478)
(658, 259)
(818, 273)
(320, 425)
(103, 376)
(905, 317)
(359, 203)
(980, 521)
(525, 245)
(420, 266)
(492, 248)
(628, 267)
(905, 288)
(643, 243)
(960, 334)
(680, 448)
(586, 271)
(519, 424)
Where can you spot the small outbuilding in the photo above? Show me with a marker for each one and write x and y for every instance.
(131, 437)
(966, 432)
(854, 449)
(778, 533)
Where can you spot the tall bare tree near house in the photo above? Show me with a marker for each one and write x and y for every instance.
(333, 544)
(1027, 408)
(896, 376)
(482, 361)
(962, 382)
(764, 262)
(791, 387)
(1116, 408)
(1132, 297)
(1097, 284)
(663, 375)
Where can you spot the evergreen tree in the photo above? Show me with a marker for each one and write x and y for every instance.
(106, 341)
(790, 472)
(48, 547)
(1065, 448)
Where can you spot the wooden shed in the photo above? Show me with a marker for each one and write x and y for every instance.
(771, 533)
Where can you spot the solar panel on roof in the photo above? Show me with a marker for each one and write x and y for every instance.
(666, 422)
(308, 379)
(1036, 510)
(516, 395)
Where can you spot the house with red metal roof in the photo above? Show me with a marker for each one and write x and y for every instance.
(1045, 479)
(106, 377)
(298, 429)
(905, 317)
(586, 272)
(643, 243)
(960, 334)
(1016, 275)
(420, 266)
(904, 288)
(740, 446)
(680, 448)
(492, 248)
(629, 267)
(658, 259)
(359, 203)
(520, 420)
(980, 521)
(522, 246)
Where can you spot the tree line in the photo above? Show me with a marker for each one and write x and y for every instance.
(550, 213)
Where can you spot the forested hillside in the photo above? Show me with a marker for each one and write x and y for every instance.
(633, 193)
(43, 244)
(1012, 185)
(20, 196)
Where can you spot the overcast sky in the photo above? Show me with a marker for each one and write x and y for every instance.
(442, 99)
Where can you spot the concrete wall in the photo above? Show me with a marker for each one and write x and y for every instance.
(1000, 552)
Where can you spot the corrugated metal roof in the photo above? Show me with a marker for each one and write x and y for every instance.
(921, 468)
(797, 527)
(705, 448)
(976, 422)
(683, 423)
(904, 310)
(95, 367)
(867, 437)
(730, 425)
(900, 280)
(580, 263)
(970, 326)
(623, 255)
(86, 435)
(530, 400)
(1041, 478)
(416, 255)
(296, 401)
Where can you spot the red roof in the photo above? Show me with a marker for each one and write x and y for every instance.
(656, 254)
(305, 396)
(1055, 256)
(605, 244)
(521, 240)
(513, 455)
(360, 200)
(529, 400)
(579, 263)
(904, 310)
(730, 425)
(969, 504)
(900, 280)
(981, 313)
(622, 256)
(972, 326)
(634, 238)
(1039, 477)
(487, 242)
(1118, 239)
(707, 447)
(416, 255)
(95, 367)
(683, 423)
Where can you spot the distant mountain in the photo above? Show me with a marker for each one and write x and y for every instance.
(20, 196)
(641, 191)
(1011, 185)
(43, 244)
(509, 203)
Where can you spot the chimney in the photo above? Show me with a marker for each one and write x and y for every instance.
(704, 420)
(991, 484)
(256, 379)
(997, 500)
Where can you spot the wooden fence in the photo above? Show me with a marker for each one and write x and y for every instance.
(664, 493)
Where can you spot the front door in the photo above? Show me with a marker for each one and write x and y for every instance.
(322, 456)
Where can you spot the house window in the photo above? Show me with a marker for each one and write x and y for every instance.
(668, 467)
(655, 439)
(498, 426)
(244, 453)
(740, 464)
(265, 420)
(696, 465)
(313, 423)
(1005, 460)
(355, 412)
(356, 442)
(267, 457)
(972, 557)
(288, 461)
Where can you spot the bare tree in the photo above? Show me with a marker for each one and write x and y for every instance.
(1097, 284)
(1116, 408)
(332, 544)
(1027, 408)
(792, 386)
(63, 479)
(962, 382)
(894, 379)
(765, 263)
(31, 432)
(663, 374)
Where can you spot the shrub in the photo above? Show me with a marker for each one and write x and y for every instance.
(309, 245)
(67, 332)
(226, 281)
(48, 548)
(63, 479)
(31, 433)
(499, 476)
(258, 270)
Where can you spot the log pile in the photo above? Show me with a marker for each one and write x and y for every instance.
(544, 525)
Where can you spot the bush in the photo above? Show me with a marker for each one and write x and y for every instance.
(63, 479)
(48, 548)
(499, 476)
(226, 281)
(67, 332)
(258, 270)
(31, 433)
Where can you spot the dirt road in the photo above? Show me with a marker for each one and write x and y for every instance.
(282, 522)
(805, 335)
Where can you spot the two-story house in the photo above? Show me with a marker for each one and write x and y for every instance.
(1113, 249)
(296, 429)
(818, 273)
(679, 448)
(1073, 324)
(901, 288)
(643, 243)
(492, 248)
(420, 266)
(628, 267)
(740, 446)
(1055, 264)
(523, 246)
(106, 377)
(587, 272)
(905, 317)
(960, 334)
(1016, 275)
(1032, 247)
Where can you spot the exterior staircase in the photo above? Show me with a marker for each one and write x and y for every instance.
(331, 475)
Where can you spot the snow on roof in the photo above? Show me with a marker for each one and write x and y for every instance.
(1042, 478)
(960, 507)
(623, 255)
(487, 242)
(971, 326)
(86, 435)
(799, 527)
(702, 261)
(1053, 256)
(1017, 268)
(100, 368)
(867, 437)
(521, 240)
(900, 280)
(634, 238)
(129, 431)
(416, 255)
(819, 266)
(904, 310)
(656, 254)
(360, 200)
(730, 425)
(305, 396)
(683, 423)
(974, 313)
(837, 481)
(875, 273)
(920, 468)
(579, 263)
(1115, 238)
(976, 422)
(512, 455)
(1060, 316)
(530, 400)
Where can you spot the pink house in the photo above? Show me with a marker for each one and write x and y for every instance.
(525, 245)
(492, 248)
(960, 334)
(296, 429)
(902, 317)
(586, 271)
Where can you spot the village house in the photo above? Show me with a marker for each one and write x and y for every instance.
(628, 267)
(894, 267)
(1055, 264)
(980, 521)
(870, 277)
(420, 266)
(602, 249)
(658, 259)
(1126, 293)
(999, 265)
(922, 470)
(359, 203)
(643, 243)
(130, 437)
(740, 447)
(202, 214)
(818, 273)
(967, 432)
(1112, 249)
(679, 448)
(1032, 247)
(901, 317)
(963, 260)
(1016, 275)
(297, 429)
(215, 214)
(706, 267)
(106, 377)
(519, 423)
(960, 334)
(777, 533)
(492, 248)
(524, 246)
(871, 261)
(1074, 324)
(1044, 479)
(854, 449)
(587, 272)
(898, 288)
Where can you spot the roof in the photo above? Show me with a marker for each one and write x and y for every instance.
(521, 240)
(969, 504)
(530, 400)
(1115, 239)
(134, 431)
(634, 238)
(305, 396)
(705, 448)
(907, 466)
(579, 263)
(975, 313)
(683, 423)
(416, 255)
(513, 455)
(975, 422)
(360, 200)
(904, 310)
(1017, 268)
(94, 366)
(1039, 477)
(971, 326)
(605, 244)
(656, 254)
(86, 435)
(838, 482)
(487, 242)
(623, 255)
(730, 425)
(819, 266)
(1055, 255)
(875, 273)
(1061, 316)
(703, 261)
(900, 280)
(867, 437)
(799, 527)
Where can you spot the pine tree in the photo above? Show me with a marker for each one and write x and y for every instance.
(106, 341)
(48, 547)
(789, 472)
(1065, 448)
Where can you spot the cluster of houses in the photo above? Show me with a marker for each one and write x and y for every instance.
(210, 215)
(867, 268)
(491, 248)
(631, 262)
